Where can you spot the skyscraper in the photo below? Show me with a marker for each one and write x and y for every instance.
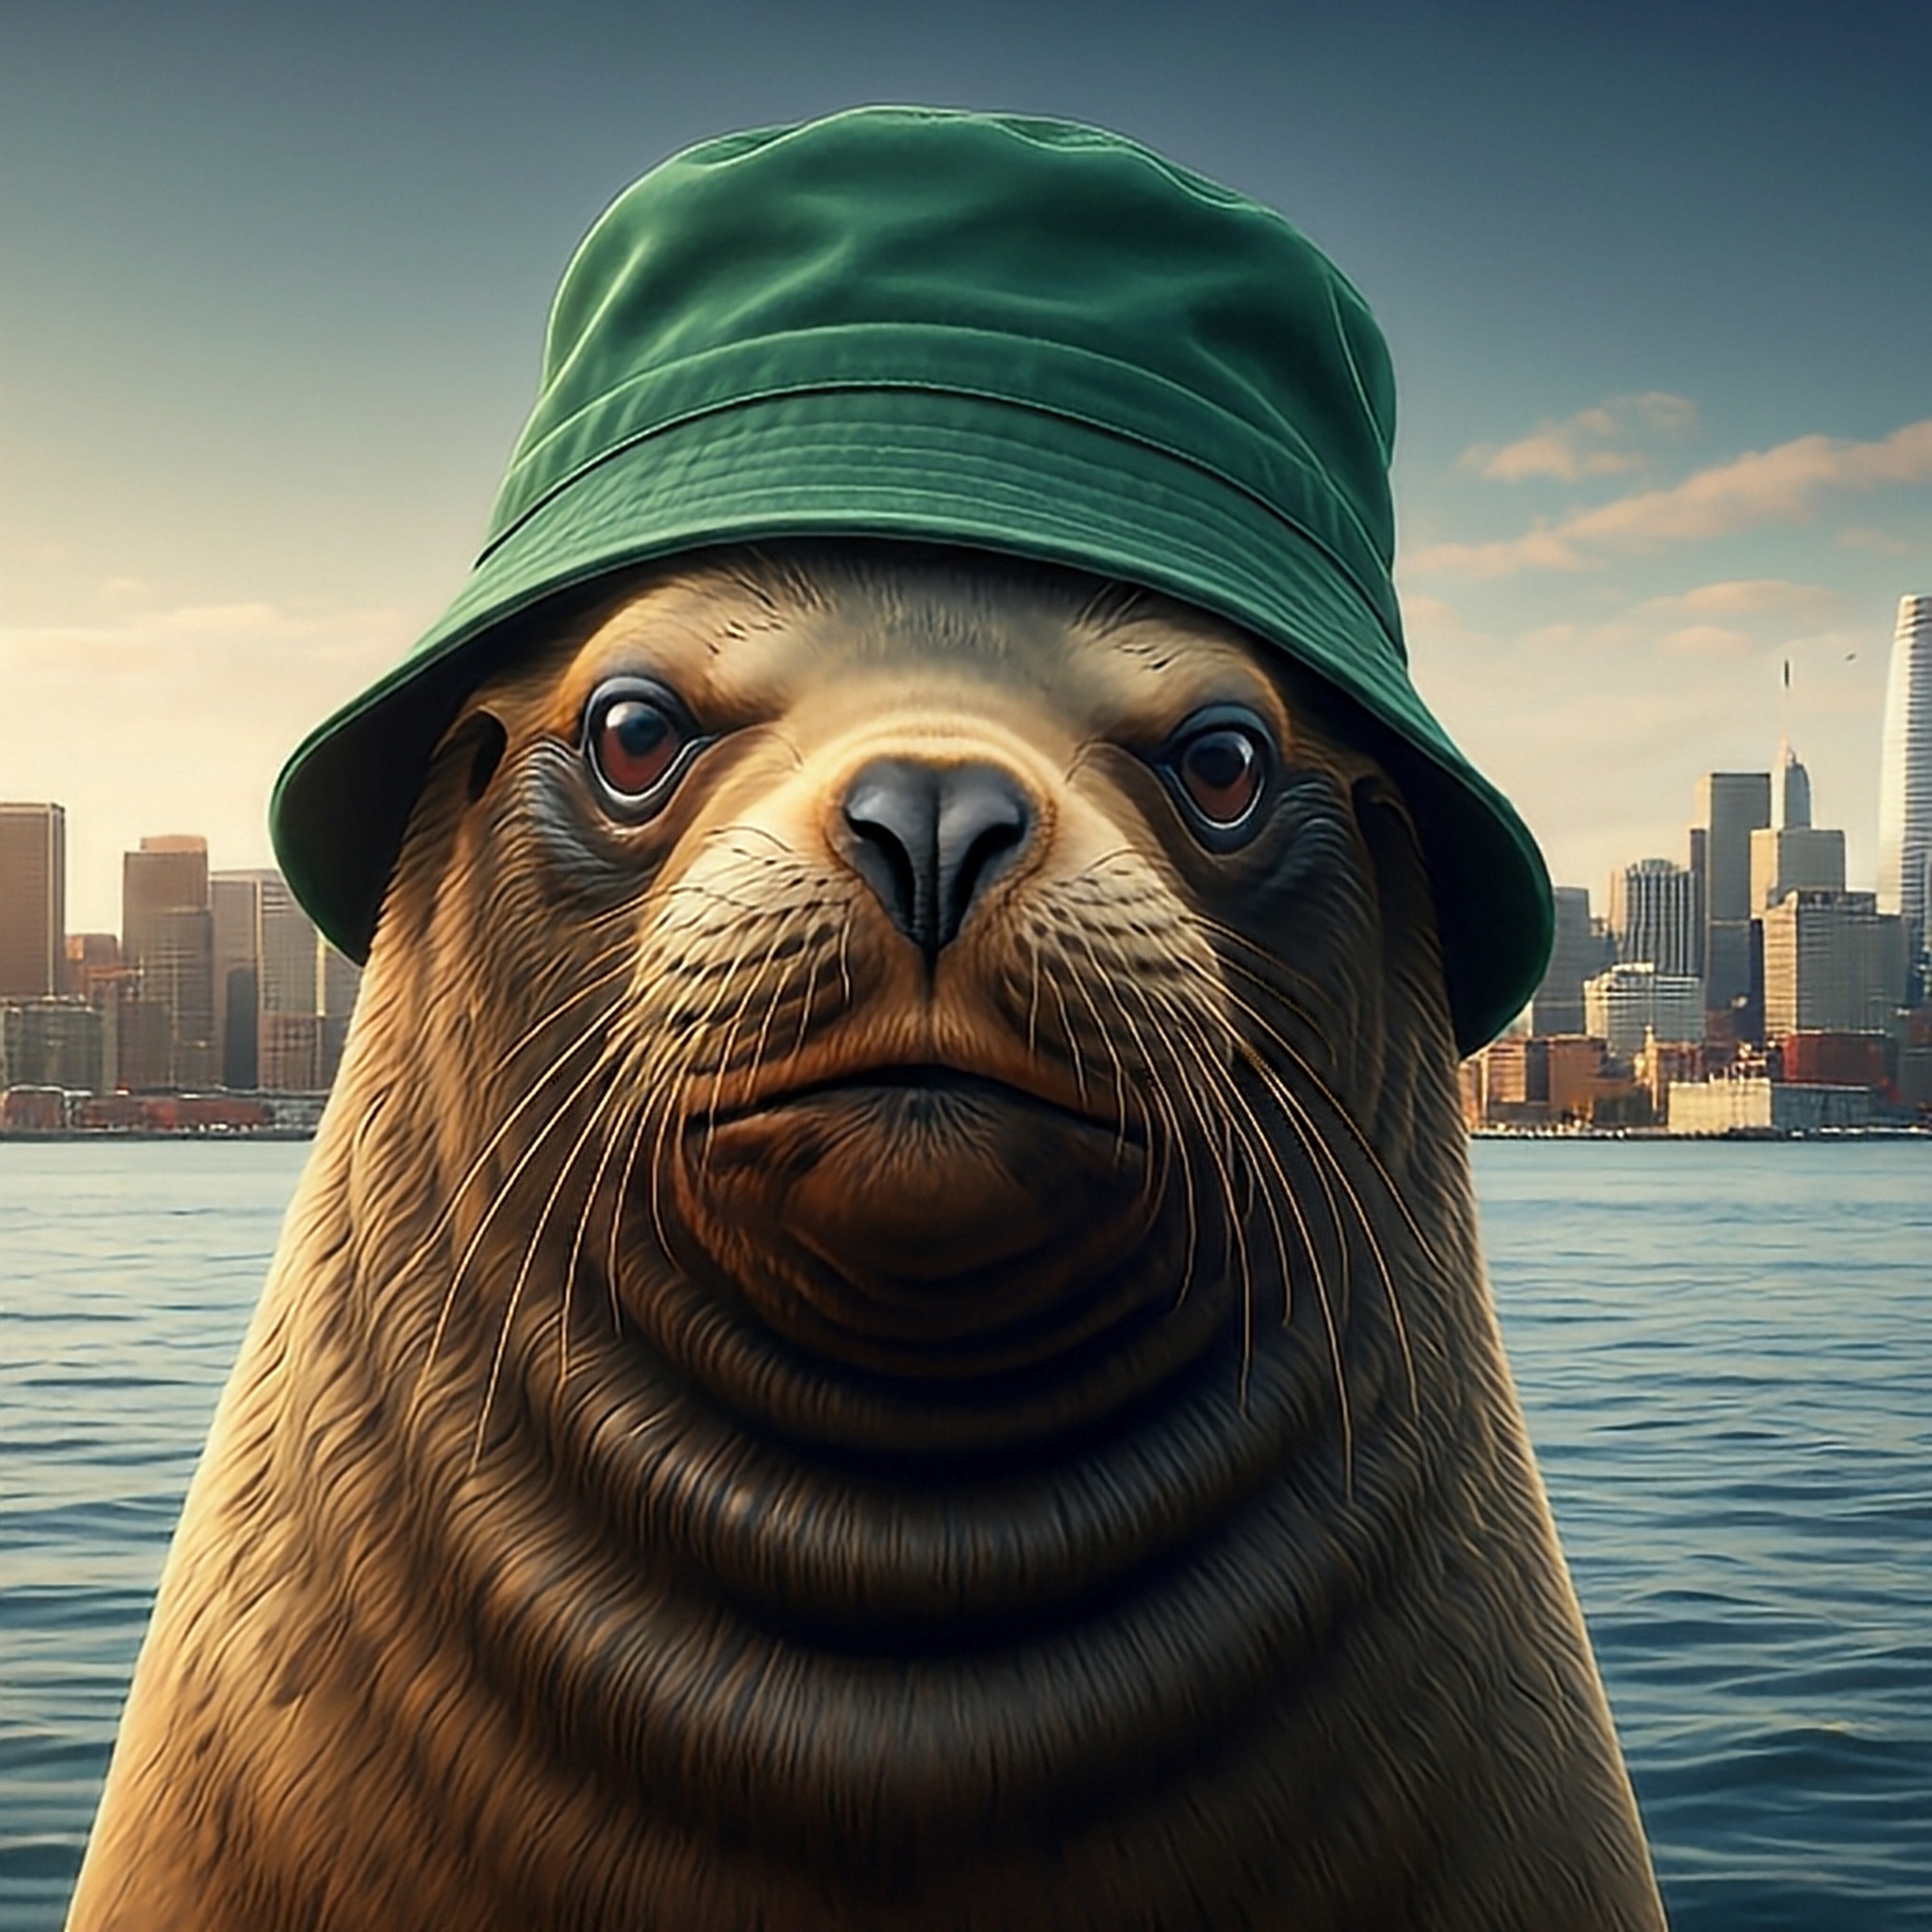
(33, 901)
(235, 900)
(166, 933)
(1833, 963)
(1581, 950)
(1791, 790)
(1730, 807)
(1904, 783)
(1791, 854)
(1655, 914)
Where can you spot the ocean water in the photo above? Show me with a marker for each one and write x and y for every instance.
(1724, 1352)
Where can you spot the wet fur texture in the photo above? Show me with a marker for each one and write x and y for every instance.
(749, 1429)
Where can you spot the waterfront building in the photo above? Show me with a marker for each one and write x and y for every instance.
(33, 1110)
(1730, 805)
(1915, 1058)
(1633, 1001)
(1836, 1059)
(1756, 1105)
(1833, 963)
(1554, 1079)
(33, 901)
(288, 1046)
(1581, 949)
(51, 1042)
(1905, 780)
(1657, 917)
(1661, 1064)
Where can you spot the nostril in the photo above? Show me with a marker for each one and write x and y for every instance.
(984, 821)
(887, 866)
(891, 811)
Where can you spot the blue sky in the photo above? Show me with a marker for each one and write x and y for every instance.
(1657, 280)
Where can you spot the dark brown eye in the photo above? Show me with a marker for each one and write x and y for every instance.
(1222, 770)
(636, 739)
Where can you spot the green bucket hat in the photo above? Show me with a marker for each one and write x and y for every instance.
(1017, 335)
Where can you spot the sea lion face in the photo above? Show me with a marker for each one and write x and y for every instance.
(897, 886)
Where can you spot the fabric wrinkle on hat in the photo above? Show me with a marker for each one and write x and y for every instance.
(1017, 335)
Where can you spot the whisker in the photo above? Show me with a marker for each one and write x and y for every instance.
(437, 1228)
(1342, 1111)
(503, 1195)
(535, 1241)
(1325, 1161)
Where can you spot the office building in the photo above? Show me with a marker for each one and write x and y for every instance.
(1833, 963)
(274, 985)
(1656, 916)
(51, 1042)
(33, 901)
(290, 951)
(90, 957)
(168, 875)
(1634, 1002)
(137, 1034)
(1790, 854)
(1905, 778)
(235, 906)
(1793, 859)
(1730, 805)
(1791, 790)
(1581, 950)
(167, 936)
(179, 971)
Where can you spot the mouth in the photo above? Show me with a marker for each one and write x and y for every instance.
(910, 1086)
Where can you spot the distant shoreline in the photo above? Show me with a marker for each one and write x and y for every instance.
(116, 1136)
(1755, 1135)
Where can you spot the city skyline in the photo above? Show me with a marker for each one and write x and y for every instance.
(1655, 285)
(1766, 845)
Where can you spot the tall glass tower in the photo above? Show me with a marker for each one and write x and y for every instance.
(1905, 784)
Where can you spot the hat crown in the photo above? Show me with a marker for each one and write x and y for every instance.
(977, 243)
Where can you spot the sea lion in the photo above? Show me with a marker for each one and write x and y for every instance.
(885, 1328)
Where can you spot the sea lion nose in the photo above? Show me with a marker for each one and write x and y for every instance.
(927, 838)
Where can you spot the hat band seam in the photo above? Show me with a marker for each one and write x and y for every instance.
(671, 424)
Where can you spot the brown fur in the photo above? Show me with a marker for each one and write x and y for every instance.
(607, 1526)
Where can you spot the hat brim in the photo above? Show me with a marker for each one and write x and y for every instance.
(938, 467)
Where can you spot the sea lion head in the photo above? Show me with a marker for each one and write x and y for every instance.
(972, 984)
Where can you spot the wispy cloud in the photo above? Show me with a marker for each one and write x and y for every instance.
(1745, 598)
(1880, 543)
(1587, 445)
(1779, 485)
